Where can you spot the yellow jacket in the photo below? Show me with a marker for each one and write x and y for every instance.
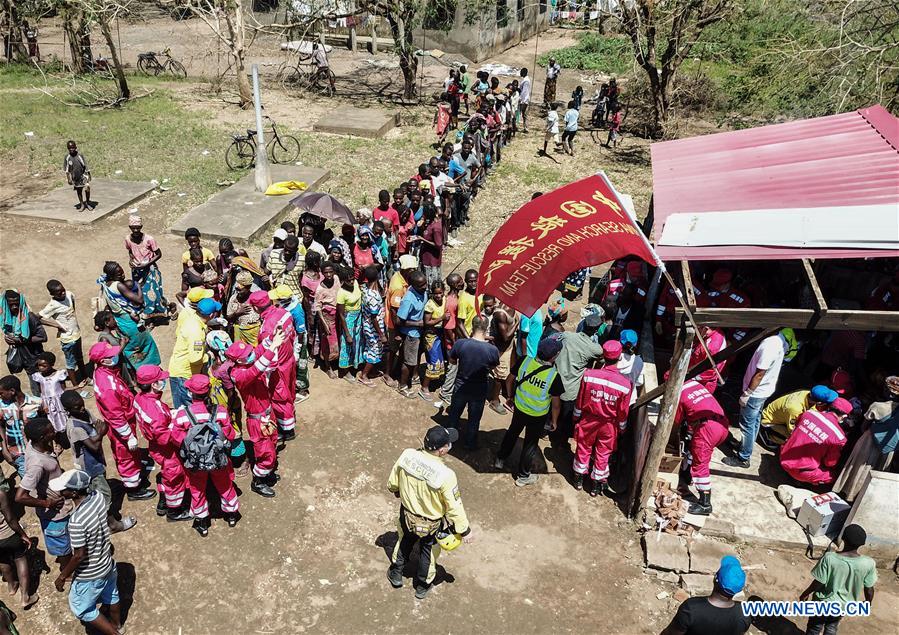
(786, 410)
(189, 352)
(428, 488)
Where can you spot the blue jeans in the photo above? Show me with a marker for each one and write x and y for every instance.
(74, 355)
(180, 396)
(85, 595)
(474, 401)
(56, 537)
(750, 419)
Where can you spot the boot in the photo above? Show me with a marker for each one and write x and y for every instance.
(595, 490)
(683, 485)
(161, 509)
(578, 481)
(261, 487)
(140, 494)
(232, 519)
(176, 514)
(201, 525)
(704, 506)
(395, 576)
(286, 435)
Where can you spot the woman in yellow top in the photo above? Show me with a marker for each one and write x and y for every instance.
(349, 324)
(434, 318)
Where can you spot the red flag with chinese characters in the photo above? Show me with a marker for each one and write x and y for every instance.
(576, 226)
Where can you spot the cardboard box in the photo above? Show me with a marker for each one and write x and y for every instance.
(823, 514)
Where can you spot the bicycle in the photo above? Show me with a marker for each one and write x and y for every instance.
(149, 64)
(319, 80)
(282, 148)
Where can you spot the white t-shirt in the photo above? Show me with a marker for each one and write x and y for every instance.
(552, 122)
(769, 356)
(524, 88)
(64, 313)
(631, 366)
(571, 118)
(439, 182)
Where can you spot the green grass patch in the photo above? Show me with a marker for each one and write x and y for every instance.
(594, 52)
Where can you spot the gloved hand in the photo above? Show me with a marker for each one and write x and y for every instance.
(132, 442)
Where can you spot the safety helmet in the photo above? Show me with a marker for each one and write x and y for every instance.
(789, 336)
(448, 541)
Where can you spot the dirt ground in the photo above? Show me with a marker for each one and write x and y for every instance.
(546, 558)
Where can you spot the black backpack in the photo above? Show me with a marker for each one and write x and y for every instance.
(205, 448)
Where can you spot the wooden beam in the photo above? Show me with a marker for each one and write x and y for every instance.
(813, 282)
(665, 422)
(859, 321)
(749, 318)
(688, 284)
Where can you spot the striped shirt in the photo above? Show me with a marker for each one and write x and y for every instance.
(88, 528)
(14, 421)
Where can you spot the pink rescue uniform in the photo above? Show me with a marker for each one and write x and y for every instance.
(283, 374)
(116, 405)
(155, 421)
(716, 343)
(814, 447)
(708, 429)
(600, 410)
(251, 383)
(223, 479)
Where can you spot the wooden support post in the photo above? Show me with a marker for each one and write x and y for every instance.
(353, 43)
(688, 284)
(665, 422)
(813, 282)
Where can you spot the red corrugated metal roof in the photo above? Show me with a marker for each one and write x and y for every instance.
(847, 159)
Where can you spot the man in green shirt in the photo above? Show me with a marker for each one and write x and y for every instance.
(845, 576)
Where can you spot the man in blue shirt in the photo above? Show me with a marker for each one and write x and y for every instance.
(411, 316)
(475, 357)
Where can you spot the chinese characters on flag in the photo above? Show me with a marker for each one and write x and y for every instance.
(579, 225)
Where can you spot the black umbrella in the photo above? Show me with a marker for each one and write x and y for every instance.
(324, 205)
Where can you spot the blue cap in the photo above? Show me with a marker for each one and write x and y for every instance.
(823, 393)
(628, 336)
(208, 306)
(730, 577)
(548, 348)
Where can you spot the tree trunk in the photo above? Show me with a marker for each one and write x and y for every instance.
(237, 45)
(78, 33)
(409, 66)
(14, 48)
(244, 90)
(405, 49)
(124, 91)
(660, 92)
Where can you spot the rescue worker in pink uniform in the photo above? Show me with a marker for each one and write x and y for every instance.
(249, 375)
(600, 412)
(716, 342)
(217, 464)
(283, 374)
(155, 422)
(813, 449)
(116, 405)
(704, 428)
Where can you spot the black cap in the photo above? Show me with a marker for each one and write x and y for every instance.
(438, 436)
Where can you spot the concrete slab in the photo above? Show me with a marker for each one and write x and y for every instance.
(358, 122)
(876, 508)
(705, 555)
(666, 551)
(111, 195)
(745, 505)
(697, 583)
(240, 212)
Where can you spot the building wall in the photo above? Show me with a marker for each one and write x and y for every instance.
(483, 38)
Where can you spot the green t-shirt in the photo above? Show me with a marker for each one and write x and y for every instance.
(844, 577)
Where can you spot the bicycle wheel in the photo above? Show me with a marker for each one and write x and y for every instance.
(177, 69)
(143, 65)
(240, 154)
(327, 83)
(284, 149)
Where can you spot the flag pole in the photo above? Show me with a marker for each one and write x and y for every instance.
(664, 270)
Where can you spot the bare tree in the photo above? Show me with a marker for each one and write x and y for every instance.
(662, 35)
(14, 48)
(103, 13)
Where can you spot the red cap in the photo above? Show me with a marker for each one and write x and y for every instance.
(149, 373)
(103, 350)
(841, 381)
(634, 269)
(721, 277)
(611, 350)
(239, 351)
(843, 406)
(259, 299)
(197, 384)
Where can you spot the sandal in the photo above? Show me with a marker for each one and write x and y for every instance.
(127, 523)
(366, 382)
(426, 396)
(407, 393)
(391, 383)
(349, 379)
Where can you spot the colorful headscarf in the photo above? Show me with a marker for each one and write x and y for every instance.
(243, 262)
(18, 323)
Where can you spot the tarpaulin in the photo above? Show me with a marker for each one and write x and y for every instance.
(576, 226)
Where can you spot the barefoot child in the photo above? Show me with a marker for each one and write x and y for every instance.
(78, 176)
(61, 308)
(53, 383)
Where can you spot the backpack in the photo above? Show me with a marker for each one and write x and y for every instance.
(205, 448)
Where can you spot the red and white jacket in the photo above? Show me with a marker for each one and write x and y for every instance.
(250, 381)
(697, 405)
(155, 421)
(816, 441)
(605, 395)
(115, 401)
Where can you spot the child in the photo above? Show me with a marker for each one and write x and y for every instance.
(192, 236)
(571, 123)
(15, 408)
(551, 132)
(464, 85)
(442, 118)
(577, 96)
(61, 308)
(614, 128)
(53, 384)
(434, 317)
(78, 176)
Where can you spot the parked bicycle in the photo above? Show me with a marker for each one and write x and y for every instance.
(281, 148)
(307, 76)
(149, 64)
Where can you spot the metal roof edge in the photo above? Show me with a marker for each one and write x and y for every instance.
(883, 122)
